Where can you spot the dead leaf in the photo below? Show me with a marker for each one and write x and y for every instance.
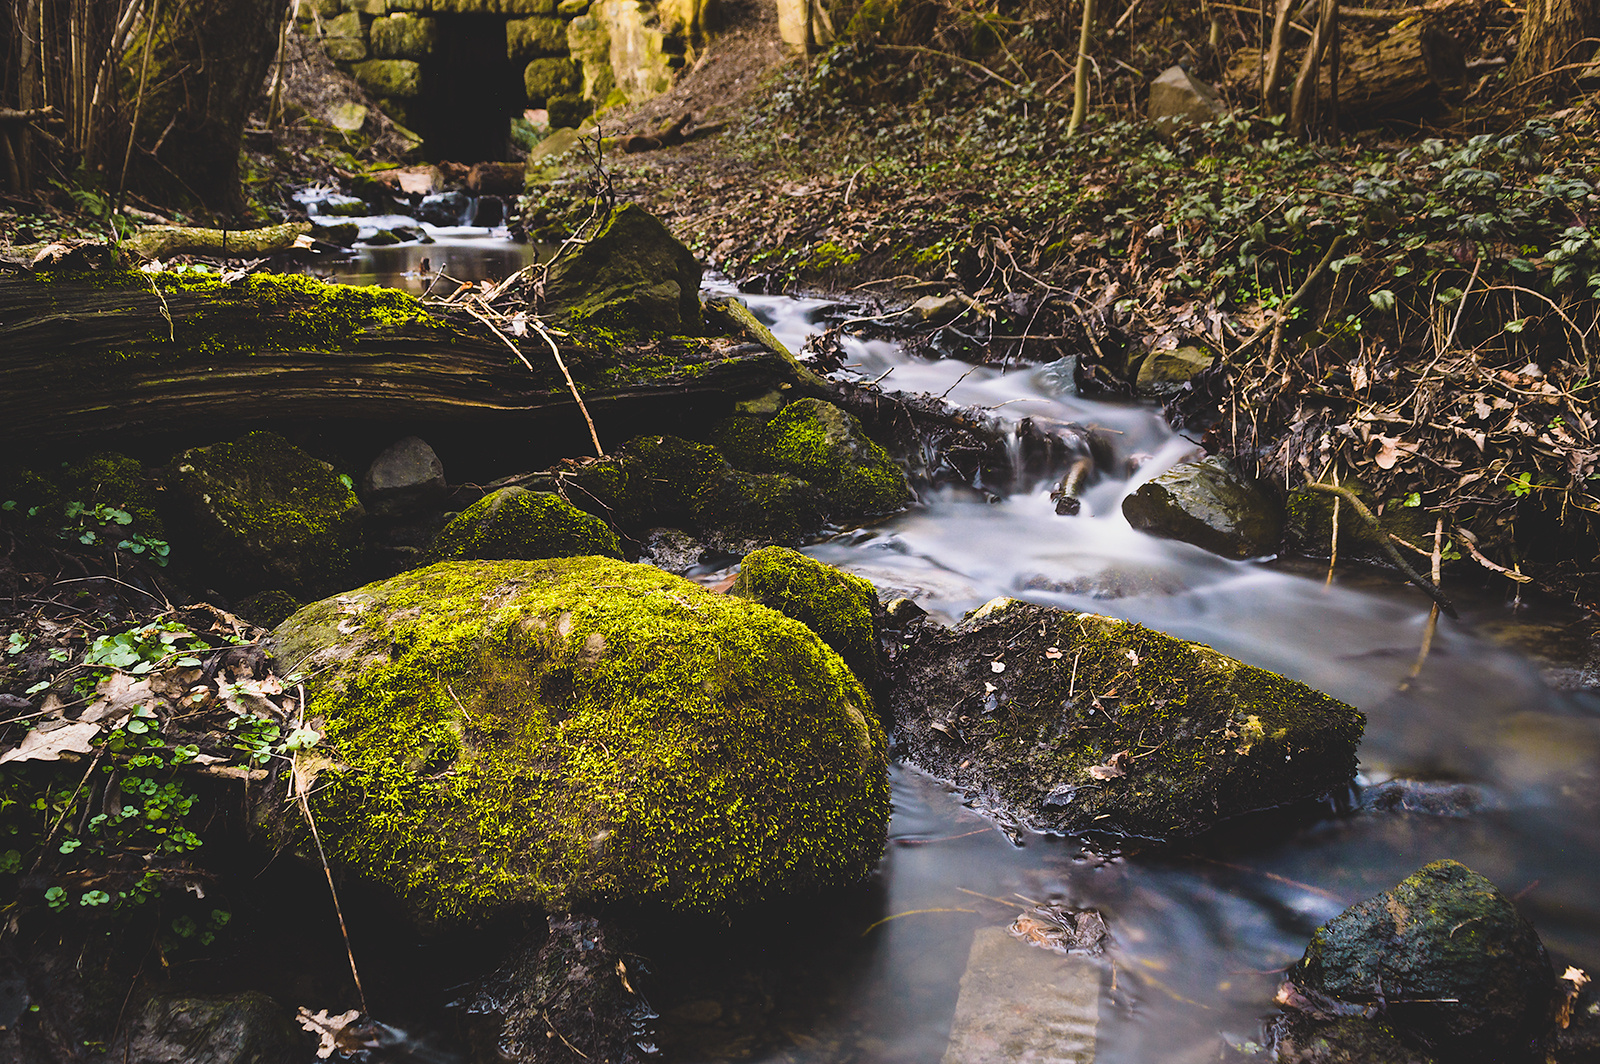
(1115, 766)
(47, 743)
(1390, 451)
(1052, 653)
(1061, 931)
(326, 1028)
(1576, 979)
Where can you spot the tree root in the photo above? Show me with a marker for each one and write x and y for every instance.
(1371, 521)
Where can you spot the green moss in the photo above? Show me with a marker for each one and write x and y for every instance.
(828, 255)
(517, 523)
(738, 511)
(579, 729)
(266, 514)
(824, 446)
(1202, 736)
(838, 606)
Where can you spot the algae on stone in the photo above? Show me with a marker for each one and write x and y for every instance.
(518, 523)
(632, 275)
(838, 606)
(1079, 723)
(266, 514)
(581, 730)
(824, 446)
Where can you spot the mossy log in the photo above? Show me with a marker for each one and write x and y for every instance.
(161, 241)
(94, 356)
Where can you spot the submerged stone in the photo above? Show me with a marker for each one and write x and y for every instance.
(1073, 722)
(518, 523)
(1209, 504)
(824, 446)
(633, 275)
(583, 730)
(266, 514)
(1444, 958)
(838, 606)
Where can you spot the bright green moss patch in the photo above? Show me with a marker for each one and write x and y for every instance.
(580, 730)
(838, 606)
(517, 523)
(1075, 722)
(824, 446)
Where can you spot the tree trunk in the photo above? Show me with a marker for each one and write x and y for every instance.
(108, 359)
(1555, 34)
(208, 64)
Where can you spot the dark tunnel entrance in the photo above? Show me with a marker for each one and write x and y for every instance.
(472, 90)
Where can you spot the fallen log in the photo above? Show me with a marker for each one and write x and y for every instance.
(1401, 73)
(99, 358)
(164, 241)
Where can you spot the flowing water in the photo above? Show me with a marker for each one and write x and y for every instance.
(1509, 775)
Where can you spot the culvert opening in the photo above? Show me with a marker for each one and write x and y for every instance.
(473, 91)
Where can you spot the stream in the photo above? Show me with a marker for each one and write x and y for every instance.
(1503, 774)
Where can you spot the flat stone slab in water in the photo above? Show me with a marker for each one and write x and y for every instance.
(1024, 1005)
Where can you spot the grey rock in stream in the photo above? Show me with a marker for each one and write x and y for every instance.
(406, 474)
(1078, 723)
(443, 208)
(247, 1028)
(1210, 504)
(1443, 958)
(1022, 1003)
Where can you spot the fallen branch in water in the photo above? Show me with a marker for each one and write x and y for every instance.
(1372, 522)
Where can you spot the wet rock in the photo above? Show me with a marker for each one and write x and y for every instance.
(443, 208)
(267, 609)
(671, 549)
(1177, 98)
(1300, 1039)
(547, 733)
(341, 233)
(405, 475)
(738, 512)
(337, 206)
(518, 523)
(838, 606)
(1163, 374)
(265, 514)
(581, 980)
(1209, 504)
(824, 446)
(633, 275)
(490, 211)
(1427, 798)
(1444, 958)
(1024, 1004)
(248, 1028)
(1073, 722)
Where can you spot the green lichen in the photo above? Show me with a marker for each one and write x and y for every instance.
(1095, 724)
(582, 730)
(517, 523)
(824, 446)
(838, 606)
(266, 514)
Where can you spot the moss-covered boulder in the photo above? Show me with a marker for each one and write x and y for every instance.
(527, 38)
(1445, 958)
(738, 512)
(840, 607)
(518, 523)
(544, 78)
(403, 36)
(1074, 722)
(265, 514)
(633, 275)
(390, 77)
(1162, 374)
(824, 446)
(1304, 1039)
(580, 730)
(1209, 504)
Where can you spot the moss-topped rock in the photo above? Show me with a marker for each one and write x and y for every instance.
(1074, 722)
(632, 275)
(518, 523)
(1445, 958)
(580, 730)
(838, 606)
(1210, 504)
(824, 446)
(266, 514)
(738, 512)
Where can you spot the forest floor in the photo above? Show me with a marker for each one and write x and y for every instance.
(1412, 304)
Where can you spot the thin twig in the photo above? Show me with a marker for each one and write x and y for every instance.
(1290, 303)
(1366, 515)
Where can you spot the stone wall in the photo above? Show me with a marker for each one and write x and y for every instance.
(574, 56)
